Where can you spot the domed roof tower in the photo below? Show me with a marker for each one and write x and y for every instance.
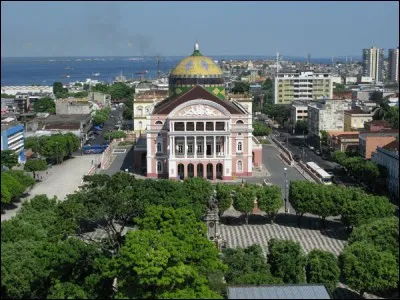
(196, 69)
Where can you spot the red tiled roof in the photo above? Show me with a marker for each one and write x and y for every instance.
(356, 111)
(379, 123)
(197, 92)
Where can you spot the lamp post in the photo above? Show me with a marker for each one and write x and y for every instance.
(285, 172)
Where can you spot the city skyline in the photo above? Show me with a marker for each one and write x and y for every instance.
(41, 29)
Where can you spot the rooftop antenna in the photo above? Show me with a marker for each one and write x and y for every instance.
(277, 61)
(309, 58)
(332, 59)
(196, 45)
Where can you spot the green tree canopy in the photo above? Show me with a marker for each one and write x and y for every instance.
(45, 105)
(270, 200)
(224, 197)
(382, 233)
(114, 135)
(366, 268)
(58, 88)
(244, 200)
(9, 158)
(261, 129)
(287, 260)
(33, 165)
(322, 267)
(120, 90)
(240, 87)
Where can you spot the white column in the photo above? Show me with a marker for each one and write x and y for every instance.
(205, 147)
(195, 146)
(214, 127)
(184, 149)
(230, 146)
(215, 145)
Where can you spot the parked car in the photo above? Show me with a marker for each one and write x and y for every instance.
(310, 147)
(317, 152)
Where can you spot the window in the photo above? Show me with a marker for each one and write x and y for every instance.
(139, 111)
(218, 148)
(190, 126)
(209, 126)
(159, 147)
(239, 122)
(200, 148)
(199, 126)
(180, 148)
(190, 148)
(159, 166)
(239, 166)
(158, 123)
(239, 146)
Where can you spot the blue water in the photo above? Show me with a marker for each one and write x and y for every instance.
(46, 70)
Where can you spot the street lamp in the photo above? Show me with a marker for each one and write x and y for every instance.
(285, 171)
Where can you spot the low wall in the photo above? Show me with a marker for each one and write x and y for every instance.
(313, 176)
(284, 149)
(285, 158)
(106, 156)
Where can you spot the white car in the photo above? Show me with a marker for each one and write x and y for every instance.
(311, 147)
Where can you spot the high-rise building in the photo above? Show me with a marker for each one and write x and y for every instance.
(394, 65)
(302, 86)
(373, 63)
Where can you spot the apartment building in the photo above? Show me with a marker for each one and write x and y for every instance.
(304, 85)
(12, 137)
(298, 112)
(354, 119)
(343, 141)
(327, 114)
(388, 156)
(73, 106)
(373, 63)
(394, 65)
(370, 141)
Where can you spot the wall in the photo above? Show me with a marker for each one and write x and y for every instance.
(72, 108)
(372, 143)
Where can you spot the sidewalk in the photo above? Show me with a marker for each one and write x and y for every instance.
(59, 180)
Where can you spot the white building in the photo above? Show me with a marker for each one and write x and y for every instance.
(302, 86)
(350, 80)
(326, 115)
(388, 156)
(13, 90)
(298, 112)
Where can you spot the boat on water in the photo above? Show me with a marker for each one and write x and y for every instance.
(144, 72)
(68, 68)
(95, 74)
(67, 76)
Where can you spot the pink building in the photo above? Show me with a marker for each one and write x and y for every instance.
(196, 132)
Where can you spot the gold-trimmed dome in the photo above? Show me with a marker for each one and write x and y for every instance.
(196, 65)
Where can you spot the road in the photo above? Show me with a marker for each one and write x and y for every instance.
(275, 167)
(109, 125)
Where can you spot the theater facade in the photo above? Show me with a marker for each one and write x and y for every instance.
(198, 131)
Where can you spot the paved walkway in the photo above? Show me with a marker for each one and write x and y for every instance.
(59, 181)
(245, 235)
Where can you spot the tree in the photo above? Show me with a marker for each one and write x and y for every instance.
(377, 97)
(114, 135)
(169, 255)
(224, 197)
(366, 268)
(247, 266)
(299, 196)
(360, 208)
(240, 87)
(58, 88)
(392, 116)
(270, 200)
(32, 143)
(322, 267)
(8, 158)
(261, 129)
(301, 127)
(100, 87)
(13, 184)
(244, 200)
(34, 165)
(382, 233)
(82, 94)
(287, 260)
(198, 191)
(44, 105)
(120, 90)
(100, 117)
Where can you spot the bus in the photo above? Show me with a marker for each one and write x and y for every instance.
(322, 175)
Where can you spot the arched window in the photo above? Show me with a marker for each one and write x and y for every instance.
(140, 124)
(240, 146)
(239, 122)
(158, 147)
(158, 123)
(159, 166)
(239, 166)
(139, 111)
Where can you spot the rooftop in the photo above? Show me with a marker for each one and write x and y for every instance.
(306, 291)
(356, 111)
(393, 146)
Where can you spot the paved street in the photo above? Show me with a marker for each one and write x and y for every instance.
(60, 181)
(275, 166)
(121, 161)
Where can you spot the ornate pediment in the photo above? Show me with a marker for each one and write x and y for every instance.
(198, 110)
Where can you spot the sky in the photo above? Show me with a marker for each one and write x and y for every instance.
(323, 29)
